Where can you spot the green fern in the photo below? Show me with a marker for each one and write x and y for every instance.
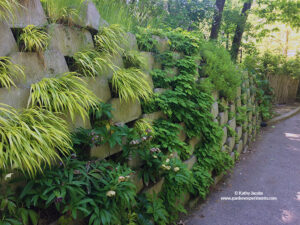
(66, 93)
(9, 71)
(31, 139)
(34, 39)
(131, 84)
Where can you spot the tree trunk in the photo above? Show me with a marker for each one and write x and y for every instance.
(217, 19)
(236, 43)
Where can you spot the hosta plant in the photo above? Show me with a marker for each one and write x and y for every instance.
(9, 71)
(65, 93)
(131, 84)
(31, 139)
(110, 39)
(8, 8)
(91, 63)
(34, 39)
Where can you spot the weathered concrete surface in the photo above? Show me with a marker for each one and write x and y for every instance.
(7, 40)
(273, 168)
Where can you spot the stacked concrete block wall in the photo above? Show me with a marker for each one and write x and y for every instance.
(66, 41)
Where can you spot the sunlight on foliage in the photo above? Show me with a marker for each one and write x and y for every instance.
(65, 93)
(9, 71)
(131, 84)
(8, 8)
(110, 39)
(31, 139)
(92, 63)
(143, 126)
(34, 39)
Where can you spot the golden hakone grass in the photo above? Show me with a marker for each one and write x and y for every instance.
(8, 9)
(66, 93)
(9, 72)
(31, 139)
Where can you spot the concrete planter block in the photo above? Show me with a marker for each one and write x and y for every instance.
(154, 116)
(15, 97)
(125, 112)
(218, 178)
(178, 55)
(224, 148)
(55, 62)
(232, 123)
(250, 115)
(239, 147)
(69, 40)
(156, 188)
(239, 132)
(117, 61)
(89, 16)
(216, 121)
(238, 92)
(225, 131)
(215, 95)
(190, 162)
(149, 80)
(104, 151)
(149, 59)
(160, 90)
(132, 43)
(30, 12)
(215, 109)
(182, 135)
(134, 161)
(232, 108)
(238, 102)
(193, 142)
(34, 67)
(223, 117)
(230, 143)
(99, 86)
(7, 40)
(138, 182)
(77, 122)
(162, 43)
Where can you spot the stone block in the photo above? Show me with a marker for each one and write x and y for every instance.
(132, 43)
(15, 97)
(232, 123)
(77, 122)
(215, 95)
(125, 112)
(238, 92)
(156, 188)
(55, 62)
(69, 40)
(162, 43)
(232, 108)
(238, 102)
(190, 162)
(154, 116)
(149, 59)
(29, 13)
(172, 72)
(230, 143)
(7, 40)
(138, 182)
(223, 118)
(89, 16)
(182, 135)
(104, 151)
(245, 149)
(117, 61)
(177, 55)
(239, 147)
(33, 65)
(193, 142)
(149, 80)
(245, 138)
(225, 135)
(216, 121)
(250, 115)
(218, 178)
(239, 132)
(99, 86)
(159, 90)
(215, 109)
(134, 161)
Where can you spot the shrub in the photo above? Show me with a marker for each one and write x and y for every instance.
(8, 72)
(34, 39)
(65, 93)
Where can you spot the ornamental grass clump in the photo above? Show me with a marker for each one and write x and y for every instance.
(131, 84)
(110, 39)
(8, 8)
(31, 139)
(134, 59)
(91, 63)
(65, 93)
(34, 39)
(8, 72)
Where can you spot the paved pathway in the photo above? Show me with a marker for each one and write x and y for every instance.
(272, 168)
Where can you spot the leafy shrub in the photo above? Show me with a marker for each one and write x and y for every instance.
(9, 71)
(32, 138)
(146, 41)
(202, 181)
(91, 63)
(110, 39)
(65, 93)
(131, 84)
(34, 39)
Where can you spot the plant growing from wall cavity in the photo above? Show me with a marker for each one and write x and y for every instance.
(9, 71)
(34, 39)
(131, 84)
(31, 139)
(91, 63)
(134, 59)
(64, 93)
(110, 39)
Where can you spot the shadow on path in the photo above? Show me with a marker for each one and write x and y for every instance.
(273, 168)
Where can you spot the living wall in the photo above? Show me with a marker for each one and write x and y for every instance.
(107, 127)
